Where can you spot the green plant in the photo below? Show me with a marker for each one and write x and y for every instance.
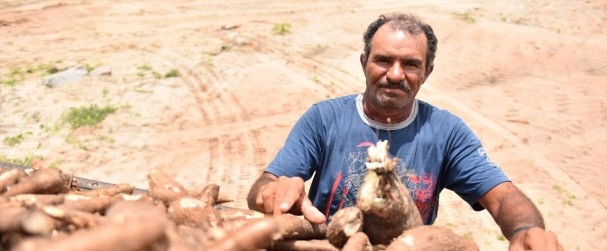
(17, 139)
(90, 67)
(226, 47)
(18, 74)
(11, 81)
(172, 74)
(81, 144)
(540, 201)
(15, 76)
(46, 69)
(466, 17)
(282, 29)
(87, 116)
(157, 75)
(208, 60)
(25, 161)
(315, 79)
(568, 196)
(144, 67)
(55, 164)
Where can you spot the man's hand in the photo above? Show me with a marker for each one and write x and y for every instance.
(534, 238)
(272, 195)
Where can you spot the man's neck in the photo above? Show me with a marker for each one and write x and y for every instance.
(386, 116)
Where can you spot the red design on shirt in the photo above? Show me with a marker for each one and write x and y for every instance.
(422, 191)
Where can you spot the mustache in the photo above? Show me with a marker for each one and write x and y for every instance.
(403, 85)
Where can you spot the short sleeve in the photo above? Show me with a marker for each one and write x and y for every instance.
(300, 155)
(471, 173)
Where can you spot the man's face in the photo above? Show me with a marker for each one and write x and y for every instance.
(395, 69)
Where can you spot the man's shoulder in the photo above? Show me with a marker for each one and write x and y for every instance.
(430, 108)
(342, 99)
(338, 102)
(432, 112)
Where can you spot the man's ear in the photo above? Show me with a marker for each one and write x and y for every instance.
(429, 70)
(363, 60)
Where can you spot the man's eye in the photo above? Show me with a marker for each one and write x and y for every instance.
(412, 64)
(382, 60)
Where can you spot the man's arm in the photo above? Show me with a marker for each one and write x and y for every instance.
(278, 195)
(518, 218)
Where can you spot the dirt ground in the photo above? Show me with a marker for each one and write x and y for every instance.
(529, 77)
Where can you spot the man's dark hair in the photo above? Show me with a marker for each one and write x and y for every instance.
(404, 22)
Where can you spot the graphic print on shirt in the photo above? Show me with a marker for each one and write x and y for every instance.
(422, 190)
(483, 153)
(352, 176)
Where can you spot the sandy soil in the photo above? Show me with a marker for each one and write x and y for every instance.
(528, 76)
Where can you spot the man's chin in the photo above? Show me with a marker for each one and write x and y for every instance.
(392, 103)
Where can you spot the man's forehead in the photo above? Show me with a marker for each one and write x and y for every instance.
(389, 31)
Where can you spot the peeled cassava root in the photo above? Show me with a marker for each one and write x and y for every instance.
(386, 214)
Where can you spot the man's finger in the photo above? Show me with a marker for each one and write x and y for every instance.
(291, 196)
(280, 194)
(552, 242)
(534, 239)
(311, 213)
(516, 246)
(516, 243)
(267, 198)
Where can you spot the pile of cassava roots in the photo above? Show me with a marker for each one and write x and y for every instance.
(45, 210)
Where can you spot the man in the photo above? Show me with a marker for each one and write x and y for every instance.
(436, 149)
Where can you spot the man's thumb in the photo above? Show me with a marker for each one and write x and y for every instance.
(311, 213)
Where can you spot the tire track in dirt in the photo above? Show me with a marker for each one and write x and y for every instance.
(237, 136)
(227, 139)
(571, 130)
(550, 182)
(215, 103)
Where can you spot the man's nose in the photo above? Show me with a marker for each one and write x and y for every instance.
(396, 73)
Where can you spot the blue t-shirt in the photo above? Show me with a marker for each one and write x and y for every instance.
(435, 149)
